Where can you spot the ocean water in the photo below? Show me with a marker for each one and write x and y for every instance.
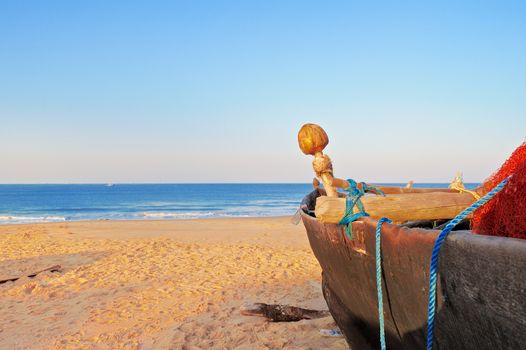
(55, 203)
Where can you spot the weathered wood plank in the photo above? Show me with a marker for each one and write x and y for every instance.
(398, 207)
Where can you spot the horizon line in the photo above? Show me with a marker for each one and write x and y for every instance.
(209, 183)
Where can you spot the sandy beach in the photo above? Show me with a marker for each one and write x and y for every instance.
(158, 285)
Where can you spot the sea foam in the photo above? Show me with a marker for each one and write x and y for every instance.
(179, 215)
(15, 219)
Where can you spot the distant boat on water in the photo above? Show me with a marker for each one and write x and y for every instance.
(109, 184)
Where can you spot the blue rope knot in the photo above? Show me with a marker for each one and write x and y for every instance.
(352, 199)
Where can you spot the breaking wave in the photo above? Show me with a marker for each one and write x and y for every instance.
(178, 215)
(15, 219)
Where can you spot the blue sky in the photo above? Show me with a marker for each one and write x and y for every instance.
(215, 91)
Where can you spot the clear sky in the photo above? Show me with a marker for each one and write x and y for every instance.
(215, 91)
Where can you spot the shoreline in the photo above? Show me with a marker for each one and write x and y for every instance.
(148, 220)
(154, 220)
(142, 284)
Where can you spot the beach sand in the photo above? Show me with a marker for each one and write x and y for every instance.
(158, 285)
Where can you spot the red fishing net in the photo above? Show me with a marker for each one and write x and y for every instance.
(505, 214)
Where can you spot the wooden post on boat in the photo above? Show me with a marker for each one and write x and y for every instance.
(312, 140)
(400, 204)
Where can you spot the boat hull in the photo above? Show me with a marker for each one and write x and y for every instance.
(481, 298)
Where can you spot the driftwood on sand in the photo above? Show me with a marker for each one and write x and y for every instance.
(53, 268)
(282, 313)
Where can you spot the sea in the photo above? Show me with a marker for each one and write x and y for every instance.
(69, 202)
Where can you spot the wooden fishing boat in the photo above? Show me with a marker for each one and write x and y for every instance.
(481, 293)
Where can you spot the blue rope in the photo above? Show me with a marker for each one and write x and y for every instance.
(379, 281)
(436, 250)
(352, 199)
